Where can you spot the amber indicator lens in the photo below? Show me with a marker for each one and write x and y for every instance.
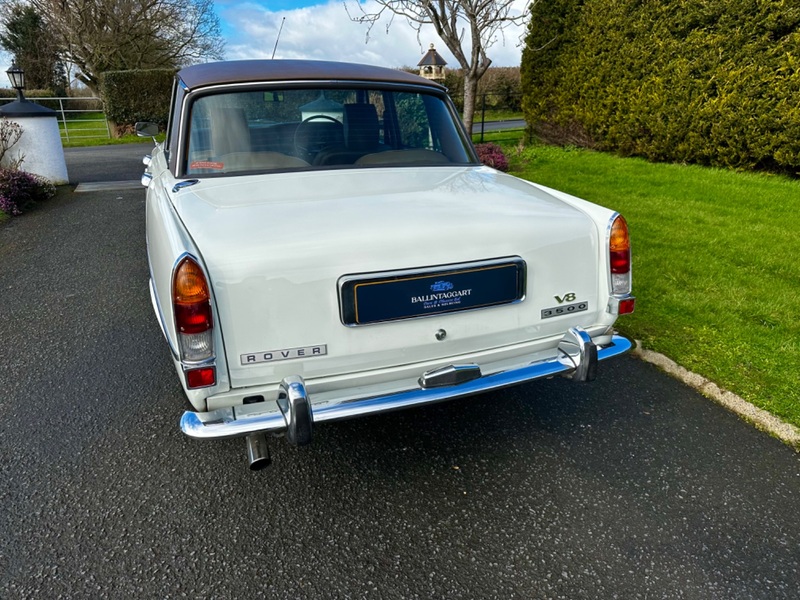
(190, 284)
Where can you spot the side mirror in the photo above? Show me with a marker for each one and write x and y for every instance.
(146, 129)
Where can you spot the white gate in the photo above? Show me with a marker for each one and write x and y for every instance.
(80, 117)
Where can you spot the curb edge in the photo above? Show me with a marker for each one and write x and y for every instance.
(786, 432)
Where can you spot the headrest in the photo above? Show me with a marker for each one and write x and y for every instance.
(361, 128)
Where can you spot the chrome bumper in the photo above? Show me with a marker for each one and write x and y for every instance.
(294, 413)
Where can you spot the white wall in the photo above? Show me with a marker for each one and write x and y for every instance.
(40, 145)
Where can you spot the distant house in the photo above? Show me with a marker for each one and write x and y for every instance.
(432, 65)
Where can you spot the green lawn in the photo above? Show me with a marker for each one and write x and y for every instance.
(716, 263)
(84, 129)
(89, 129)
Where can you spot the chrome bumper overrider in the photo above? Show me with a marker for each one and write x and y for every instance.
(294, 413)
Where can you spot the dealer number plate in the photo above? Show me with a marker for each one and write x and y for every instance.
(411, 293)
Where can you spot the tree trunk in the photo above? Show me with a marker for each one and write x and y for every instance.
(470, 99)
(89, 82)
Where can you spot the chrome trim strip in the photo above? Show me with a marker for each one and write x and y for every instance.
(433, 270)
(161, 322)
(188, 365)
(184, 184)
(223, 423)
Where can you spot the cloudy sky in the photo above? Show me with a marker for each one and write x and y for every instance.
(323, 30)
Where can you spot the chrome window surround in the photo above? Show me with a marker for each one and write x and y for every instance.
(191, 95)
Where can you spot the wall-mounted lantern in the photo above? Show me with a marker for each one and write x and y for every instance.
(17, 78)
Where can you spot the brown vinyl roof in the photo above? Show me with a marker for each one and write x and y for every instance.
(252, 71)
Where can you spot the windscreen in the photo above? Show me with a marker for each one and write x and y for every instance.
(321, 128)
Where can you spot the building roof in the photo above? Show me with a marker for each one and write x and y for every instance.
(254, 71)
(432, 58)
(26, 108)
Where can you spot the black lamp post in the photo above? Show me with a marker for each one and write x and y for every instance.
(22, 107)
(17, 78)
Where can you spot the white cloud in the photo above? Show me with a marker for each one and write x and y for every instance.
(325, 32)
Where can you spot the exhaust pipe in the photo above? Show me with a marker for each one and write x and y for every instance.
(258, 452)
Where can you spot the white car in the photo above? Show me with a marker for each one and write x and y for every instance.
(324, 244)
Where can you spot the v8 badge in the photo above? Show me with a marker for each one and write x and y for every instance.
(570, 297)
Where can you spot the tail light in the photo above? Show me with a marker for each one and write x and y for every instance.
(191, 301)
(619, 254)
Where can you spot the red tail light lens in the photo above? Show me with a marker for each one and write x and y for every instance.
(199, 378)
(626, 306)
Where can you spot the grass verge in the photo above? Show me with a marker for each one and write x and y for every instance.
(715, 253)
(498, 114)
(85, 142)
(89, 129)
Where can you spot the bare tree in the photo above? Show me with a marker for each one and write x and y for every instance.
(116, 35)
(483, 21)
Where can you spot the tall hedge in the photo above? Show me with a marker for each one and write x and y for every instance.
(39, 94)
(139, 95)
(714, 82)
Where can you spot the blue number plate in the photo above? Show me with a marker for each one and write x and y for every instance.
(410, 293)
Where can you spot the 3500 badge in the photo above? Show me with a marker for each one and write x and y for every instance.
(567, 309)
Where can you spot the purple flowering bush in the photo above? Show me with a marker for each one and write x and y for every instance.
(20, 190)
(492, 155)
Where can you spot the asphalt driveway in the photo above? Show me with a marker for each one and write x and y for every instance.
(121, 162)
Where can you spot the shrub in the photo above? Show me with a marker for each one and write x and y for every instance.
(19, 191)
(715, 83)
(40, 95)
(492, 155)
(9, 207)
(131, 96)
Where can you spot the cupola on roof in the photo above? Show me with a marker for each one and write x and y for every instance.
(432, 58)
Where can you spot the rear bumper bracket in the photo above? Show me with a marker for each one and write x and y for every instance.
(578, 351)
(296, 410)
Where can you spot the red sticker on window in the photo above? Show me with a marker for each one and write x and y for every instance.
(206, 164)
